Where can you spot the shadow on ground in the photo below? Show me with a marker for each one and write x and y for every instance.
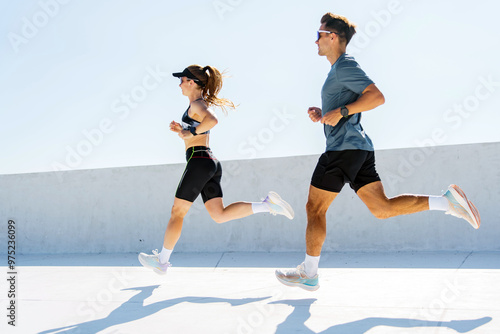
(134, 309)
(295, 322)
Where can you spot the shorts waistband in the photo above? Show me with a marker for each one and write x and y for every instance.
(199, 151)
(198, 148)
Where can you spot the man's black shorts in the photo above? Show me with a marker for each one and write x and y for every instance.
(336, 168)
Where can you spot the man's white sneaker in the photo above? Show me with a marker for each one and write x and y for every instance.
(297, 277)
(461, 207)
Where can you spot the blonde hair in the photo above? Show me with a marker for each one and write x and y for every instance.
(211, 84)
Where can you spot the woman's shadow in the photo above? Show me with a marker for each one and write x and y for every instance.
(295, 322)
(134, 309)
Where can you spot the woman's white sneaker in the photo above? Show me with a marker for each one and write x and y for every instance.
(278, 206)
(153, 262)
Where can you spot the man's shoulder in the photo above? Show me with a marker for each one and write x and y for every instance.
(348, 67)
(347, 62)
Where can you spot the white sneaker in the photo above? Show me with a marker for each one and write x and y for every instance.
(461, 207)
(298, 277)
(153, 262)
(278, 206)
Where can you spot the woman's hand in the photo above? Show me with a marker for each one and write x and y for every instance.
(185, 134)
(175, 127)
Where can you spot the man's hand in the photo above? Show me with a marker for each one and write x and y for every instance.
(175, 127)
(314, 114)
(332, 117)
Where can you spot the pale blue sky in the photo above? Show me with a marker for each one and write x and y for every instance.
(87, 84)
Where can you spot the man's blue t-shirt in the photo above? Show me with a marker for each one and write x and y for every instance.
(344, 84)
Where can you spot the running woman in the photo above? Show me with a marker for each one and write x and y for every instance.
(203, 171)
(349, 156)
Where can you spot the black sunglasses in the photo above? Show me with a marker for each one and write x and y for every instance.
(195, 80)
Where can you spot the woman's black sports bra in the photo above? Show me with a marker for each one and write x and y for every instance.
(188, 122)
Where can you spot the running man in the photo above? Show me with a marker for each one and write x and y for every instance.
(203, 172)
(349, 156)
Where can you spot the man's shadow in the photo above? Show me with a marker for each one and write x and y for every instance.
(134, 309)
(295, 322)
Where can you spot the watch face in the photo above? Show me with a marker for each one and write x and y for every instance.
(344, 111)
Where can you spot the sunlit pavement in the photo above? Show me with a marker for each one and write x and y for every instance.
(238, 293)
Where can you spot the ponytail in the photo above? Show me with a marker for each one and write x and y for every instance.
(211, 79)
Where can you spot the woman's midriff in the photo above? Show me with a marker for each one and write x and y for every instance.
(199, 140)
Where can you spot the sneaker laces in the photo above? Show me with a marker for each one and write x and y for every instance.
(155, 253)
(271, 210)
(294, 272)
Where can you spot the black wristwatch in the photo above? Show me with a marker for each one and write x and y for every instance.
(192, 129)
(344, 111)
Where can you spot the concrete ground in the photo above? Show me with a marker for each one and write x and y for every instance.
(238, 293)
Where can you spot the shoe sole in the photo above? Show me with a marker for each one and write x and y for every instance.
(298, 285)
(276, 199)
(471, 209)
(146, 265)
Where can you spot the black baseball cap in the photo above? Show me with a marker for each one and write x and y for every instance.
(187, 73)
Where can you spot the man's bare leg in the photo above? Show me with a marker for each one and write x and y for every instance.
(454, 202)
(305, 275)
(373, 195)
(317, 205)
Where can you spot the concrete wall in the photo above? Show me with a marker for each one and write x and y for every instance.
(127, 209)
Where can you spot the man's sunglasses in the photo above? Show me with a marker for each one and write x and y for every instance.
(325, 31)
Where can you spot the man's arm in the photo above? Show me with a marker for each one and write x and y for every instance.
(371, 98)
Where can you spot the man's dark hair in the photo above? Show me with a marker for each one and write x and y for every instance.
(339, 24)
